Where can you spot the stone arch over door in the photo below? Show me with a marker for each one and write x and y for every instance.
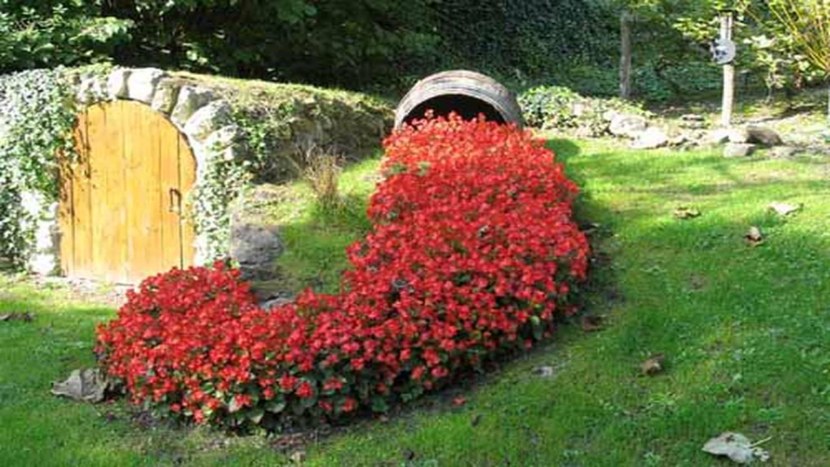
(121, 210)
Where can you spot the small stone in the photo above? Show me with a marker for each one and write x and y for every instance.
(651, 138)
(190, 99)
(783, 152)
(627, 125)
(117, 83)
(164, 99)
(678, 140)
(764, 136)
(738, 149)
(718, 136)
(90, 89)
(223, 138)
(738, 135)
(256, 248)
(208, 119)
(272, 303)
(142, 82)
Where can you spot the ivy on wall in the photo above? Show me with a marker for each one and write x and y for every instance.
(254, 140)
(36, 122)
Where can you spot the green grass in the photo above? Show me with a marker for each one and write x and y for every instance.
(746, 333)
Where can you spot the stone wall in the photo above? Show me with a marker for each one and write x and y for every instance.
(205, 110)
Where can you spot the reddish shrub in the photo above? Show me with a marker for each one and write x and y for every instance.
(472, 254)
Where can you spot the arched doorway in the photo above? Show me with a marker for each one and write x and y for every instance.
(121, 202)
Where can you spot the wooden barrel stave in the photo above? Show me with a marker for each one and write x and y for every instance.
(463, 91)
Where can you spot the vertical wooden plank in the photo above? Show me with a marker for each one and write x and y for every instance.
(141, 193)
(65, 201)
(106, 193)
(187, 178)
(170, 188)
(98, 147)
(82, 204)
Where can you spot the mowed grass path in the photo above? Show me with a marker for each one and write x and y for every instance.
(746, 334)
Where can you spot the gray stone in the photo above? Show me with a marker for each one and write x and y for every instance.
(679, 140)
(189, 100)
(164, 99)
(609, 115)
(718, 136)
(764, 136)
(651, 138)
(255, 247)
(117, 83)
(738, 149)
(90, 89)
(277, 302)
(783, 152)
(223, 138)
(208, 119)
(692, 118)
(738, 135)
(628, 126)
(142, 82)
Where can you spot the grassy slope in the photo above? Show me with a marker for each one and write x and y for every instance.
(745, 330)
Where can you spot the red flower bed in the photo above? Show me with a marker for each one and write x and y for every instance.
(472, 254)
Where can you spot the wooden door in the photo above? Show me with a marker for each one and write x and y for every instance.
(121, 202)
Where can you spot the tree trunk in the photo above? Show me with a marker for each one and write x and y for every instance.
(625, 54)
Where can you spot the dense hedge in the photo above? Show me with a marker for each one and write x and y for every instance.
(472, 255)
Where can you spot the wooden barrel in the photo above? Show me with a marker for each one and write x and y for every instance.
(465, 92)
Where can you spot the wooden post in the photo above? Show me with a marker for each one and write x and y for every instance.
(625, 54)
(728, 73)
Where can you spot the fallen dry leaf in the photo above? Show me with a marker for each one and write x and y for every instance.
(686, 212)
(737, 447)
(544, 371)
(754, 237)
(297, 457)
(591, 323)
(653, 365)
(17, 316)
(589, 228)
(784, 209)
(85, 385)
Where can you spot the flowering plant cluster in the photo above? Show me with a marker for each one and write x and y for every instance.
(472, 254)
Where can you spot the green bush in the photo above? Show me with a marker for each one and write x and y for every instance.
(557, 107)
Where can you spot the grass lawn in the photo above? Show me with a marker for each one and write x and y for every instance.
(746, 334)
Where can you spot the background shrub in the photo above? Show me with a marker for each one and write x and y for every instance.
(557, 107)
